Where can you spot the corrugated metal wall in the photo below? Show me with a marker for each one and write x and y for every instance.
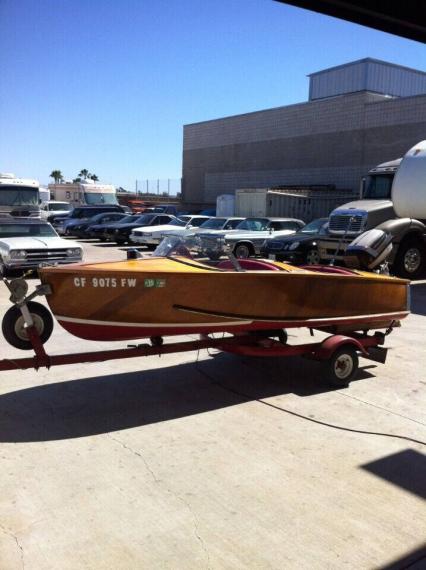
(367, 75)
(305, 206)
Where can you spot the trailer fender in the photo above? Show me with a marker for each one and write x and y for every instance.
(332, 343)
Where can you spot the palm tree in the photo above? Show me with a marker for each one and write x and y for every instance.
(56, 175)
(94, 177)
(84, 173)
(76, 180)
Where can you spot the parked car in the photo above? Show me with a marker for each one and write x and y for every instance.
(77, 215)
(25, 243)
(301, 247)
(54, 208)
(81, 229)
(248, 237)
(151, 237)
(121, 232)
(100, 231)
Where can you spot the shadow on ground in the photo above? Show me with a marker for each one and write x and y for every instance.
(405, 469)
(89, 406)
(418, 298)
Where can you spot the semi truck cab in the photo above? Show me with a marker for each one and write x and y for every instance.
(375, 209)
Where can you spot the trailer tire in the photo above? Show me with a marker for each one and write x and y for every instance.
(342, 366)
(14, 330)
(410, 260)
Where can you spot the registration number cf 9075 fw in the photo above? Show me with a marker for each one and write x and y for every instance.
(111, 282)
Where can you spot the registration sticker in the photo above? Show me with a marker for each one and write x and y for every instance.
(154, 283)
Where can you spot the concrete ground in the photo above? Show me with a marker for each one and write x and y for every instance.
(213, 461)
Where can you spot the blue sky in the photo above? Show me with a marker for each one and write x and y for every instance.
(108, 84)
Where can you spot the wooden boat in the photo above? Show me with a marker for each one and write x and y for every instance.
(159, 296)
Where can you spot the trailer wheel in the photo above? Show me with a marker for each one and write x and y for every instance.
(342, 366)
(14, 330)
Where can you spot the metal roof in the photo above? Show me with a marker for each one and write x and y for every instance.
(406, 19)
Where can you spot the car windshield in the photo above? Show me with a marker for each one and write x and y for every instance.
(26, 230)
(13, 196)
(314, 227)
(59, 207)
(128, 219)
(379, 187)
(214, 223)
(100, 198)
(177, 222)
(254, 224)
(146, 219)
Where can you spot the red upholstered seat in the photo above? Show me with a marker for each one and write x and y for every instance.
(328, 269)
(253, 264)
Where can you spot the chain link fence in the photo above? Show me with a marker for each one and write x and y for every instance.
(159, 186)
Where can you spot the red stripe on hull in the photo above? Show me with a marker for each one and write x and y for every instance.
(116, 333)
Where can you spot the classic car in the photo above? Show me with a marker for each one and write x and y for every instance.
(151, 237)
(121, 232)
(26, 243)
(249, 235)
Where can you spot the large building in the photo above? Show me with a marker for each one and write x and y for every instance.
(358, 115)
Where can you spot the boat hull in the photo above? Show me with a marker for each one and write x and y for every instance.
(156, 297)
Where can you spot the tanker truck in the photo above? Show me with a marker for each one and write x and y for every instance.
(393, 199)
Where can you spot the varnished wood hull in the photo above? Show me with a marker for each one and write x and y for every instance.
(156, 297)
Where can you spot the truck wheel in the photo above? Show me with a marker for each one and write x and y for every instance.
(312, 257)
(410, 259)
(14, 330)
(342, 366)
(243, 250)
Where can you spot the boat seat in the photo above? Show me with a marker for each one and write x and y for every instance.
(253, 264)
(327, 269)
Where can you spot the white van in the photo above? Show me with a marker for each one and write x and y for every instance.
(54, 208)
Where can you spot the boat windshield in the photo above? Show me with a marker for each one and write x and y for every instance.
(174, 245)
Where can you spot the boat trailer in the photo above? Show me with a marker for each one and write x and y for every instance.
(27, 322)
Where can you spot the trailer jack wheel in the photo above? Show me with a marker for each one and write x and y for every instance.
(14, 326)
(342, 366)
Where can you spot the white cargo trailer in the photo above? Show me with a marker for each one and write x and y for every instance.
(225, 205)
(304, 203)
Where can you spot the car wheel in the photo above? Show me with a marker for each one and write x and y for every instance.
(14, 329)
(312, 257)
(243, 250)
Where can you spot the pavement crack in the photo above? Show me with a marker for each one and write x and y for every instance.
(8, 532)
(138, 454)
(380, 408)
(170, 492)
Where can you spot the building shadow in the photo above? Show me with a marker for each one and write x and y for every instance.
(405, 469)
(418, 298)
(102, 404)
(415, 560)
